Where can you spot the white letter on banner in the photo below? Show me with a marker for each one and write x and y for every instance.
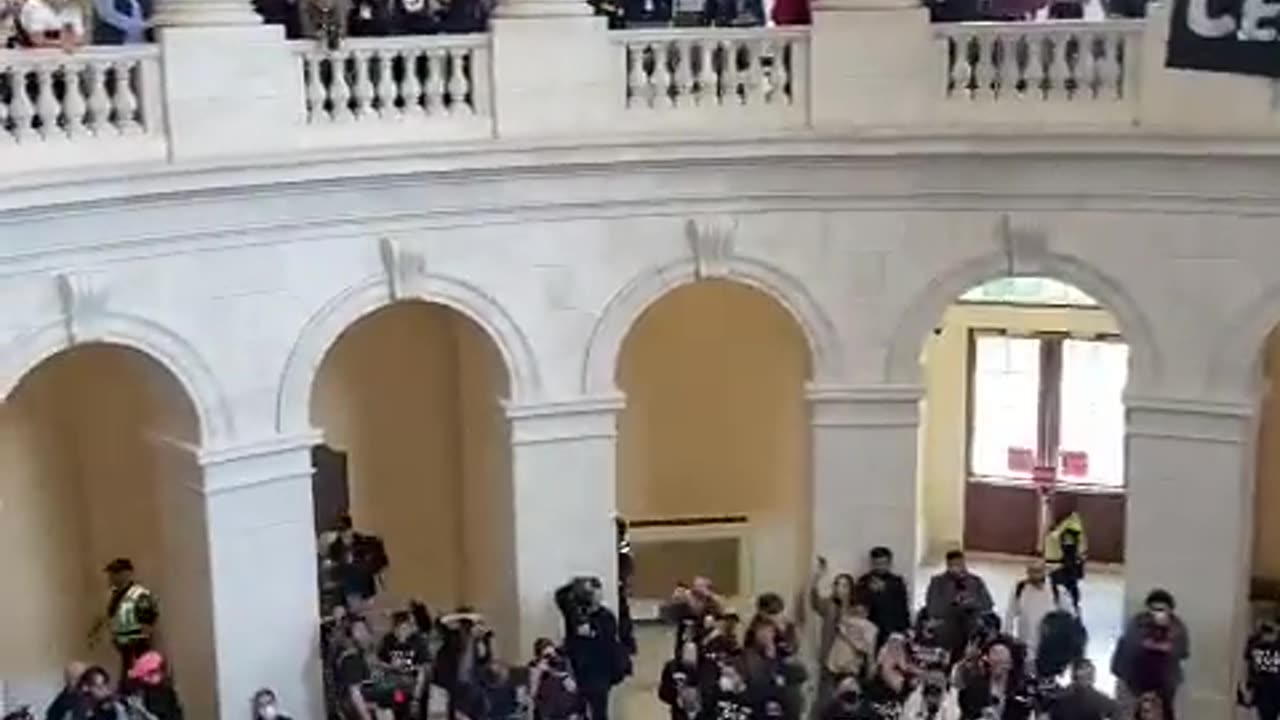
(1251, 16)
(1201, 24)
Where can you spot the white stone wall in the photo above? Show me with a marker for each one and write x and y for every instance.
(238, 280)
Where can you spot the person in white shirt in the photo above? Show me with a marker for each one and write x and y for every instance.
(51, 24)
(1032, 599)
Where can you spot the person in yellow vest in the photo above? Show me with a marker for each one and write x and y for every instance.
(1065, 549)
(131, 616)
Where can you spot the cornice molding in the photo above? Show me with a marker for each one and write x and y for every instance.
(878, 407)
(569, 420)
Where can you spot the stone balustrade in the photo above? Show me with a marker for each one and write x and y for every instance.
(754, 77)
(884, 72)
(396, 89)
(1067, 72)
(96, 105)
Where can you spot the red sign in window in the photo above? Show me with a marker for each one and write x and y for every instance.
(1075, 463)
(1021, 460)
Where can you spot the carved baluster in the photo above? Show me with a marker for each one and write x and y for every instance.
(340, 87)
(730, 78)
(317, 96)
(684, 74)
(460, 81)
(662, 80)
(1086, 68)
(385, 92)
(754, 91)
(1109, 68)
(1059, 79)
(73, 103)
(411, 84)
(47, 108)
(706, 77)
(99, 102)
(782, 91)
(21, 111)
(637, 79)
(1037, 60)
(984, 70)
(363, 86)
(436, 81)
(961, 76)
(1008, 71)
(6, 137)
(125, 99)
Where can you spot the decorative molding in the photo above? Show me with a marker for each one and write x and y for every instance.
(1196, 420)
(1025, 248)
(878, 407)
(84, 296)
(711, 240)
(405, 267)
(586, 418)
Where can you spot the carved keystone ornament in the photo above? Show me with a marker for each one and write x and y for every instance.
(83, 295)
(405, 267)
(711, 241)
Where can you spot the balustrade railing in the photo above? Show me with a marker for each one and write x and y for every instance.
(681, 77)
(409, 88)
(51, 99)
(1079, 71)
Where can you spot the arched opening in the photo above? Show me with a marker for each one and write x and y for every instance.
(98, 446)
(713, 444)
(408, 399)
(1022, 426)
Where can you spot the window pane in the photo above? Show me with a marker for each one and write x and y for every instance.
(1006, 395)
(1091, 437)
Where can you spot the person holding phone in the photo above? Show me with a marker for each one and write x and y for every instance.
(50, 24)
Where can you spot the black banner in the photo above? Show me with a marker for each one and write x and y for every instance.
(1230, 36)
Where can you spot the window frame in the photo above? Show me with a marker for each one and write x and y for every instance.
(1048, 406)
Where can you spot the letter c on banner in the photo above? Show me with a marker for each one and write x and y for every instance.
(1251, 16)
(1199, 22)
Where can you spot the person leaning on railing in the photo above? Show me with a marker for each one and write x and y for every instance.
(50, 24)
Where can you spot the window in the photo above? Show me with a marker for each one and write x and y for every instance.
(1048, 400)
(1029, 291)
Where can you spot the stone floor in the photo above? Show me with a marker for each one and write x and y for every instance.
(1103, 611)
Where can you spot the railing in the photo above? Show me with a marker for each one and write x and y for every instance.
(60, 104)
(1067, 71)
(679, 78)
(409, 88)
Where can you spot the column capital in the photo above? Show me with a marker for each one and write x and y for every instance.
(232, 467)
(879, 406)
(569, 419)
(1226, 421)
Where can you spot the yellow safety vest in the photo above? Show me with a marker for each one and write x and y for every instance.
(125, 626)
(1053, 541)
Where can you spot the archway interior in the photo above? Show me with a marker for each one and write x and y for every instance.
(1025, 377)
(97, 444)
(412, 394)
(713, 445)
(1266, 533)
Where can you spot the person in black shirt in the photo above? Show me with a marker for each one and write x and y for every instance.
(361, 558)
(97, 701)
(1262, 662)
(994, 684)
(1081, 700)
(65, 702)
(266, 706)
(407, 656)
(693, 609)
(552, 688)
(681, 687)
(358, 676)
(885, 593)
(592, 644)
(467, 646)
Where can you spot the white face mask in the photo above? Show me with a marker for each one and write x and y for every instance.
(268, 712)
(726, 684)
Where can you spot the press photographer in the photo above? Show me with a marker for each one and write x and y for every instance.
(957, 598)
(592, 643)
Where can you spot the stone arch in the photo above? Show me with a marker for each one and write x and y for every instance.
(1235, 368)
(357, 301)
(629, 303)
(902, 364)
(174, 352)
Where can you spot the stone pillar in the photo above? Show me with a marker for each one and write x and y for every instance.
(564, 491)
(873, 62)
(1189, 530)
(262, 558)
(864, 473)
(232, 86)
(556, 71)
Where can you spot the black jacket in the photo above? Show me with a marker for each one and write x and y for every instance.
(591, 642)
(888, 603)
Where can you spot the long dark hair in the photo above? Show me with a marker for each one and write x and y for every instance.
(853, 590)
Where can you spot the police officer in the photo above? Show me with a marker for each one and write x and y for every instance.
(131, 616)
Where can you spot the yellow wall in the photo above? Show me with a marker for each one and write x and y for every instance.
(716, 421)
(82, 473)
(1266, 532)
(944, 433)
(411, 393)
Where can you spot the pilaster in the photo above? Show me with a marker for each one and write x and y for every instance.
(1188, 530)
(262, 557)
(864, 472)
(564, 492)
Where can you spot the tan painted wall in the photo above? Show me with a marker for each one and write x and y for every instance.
(412, 394)
(82, 474)
(1266, 531)
(945, 425)
(716, 421)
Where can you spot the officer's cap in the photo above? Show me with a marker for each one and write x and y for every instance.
(119, 565)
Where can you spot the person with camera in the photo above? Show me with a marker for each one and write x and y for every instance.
(407, 656)
(847, 639)
(771, 609)
(773, 677)
(681, 686)
(993, 685)
(592, 643)
(1261, 688)
(363, 693)
(693, 609)
(727, 697)
(552, 688)
(1148, 658)
(885, 593)
(96, 699)
(958, 598)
